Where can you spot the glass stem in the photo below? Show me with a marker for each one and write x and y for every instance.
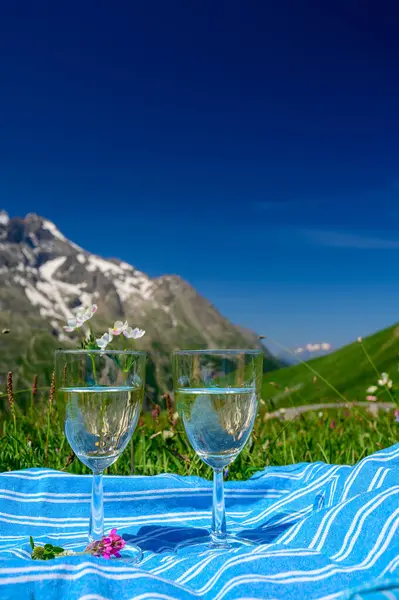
(218, 533)
(96, 528)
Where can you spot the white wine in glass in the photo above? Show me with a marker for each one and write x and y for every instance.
(101, 393)
(217, 394)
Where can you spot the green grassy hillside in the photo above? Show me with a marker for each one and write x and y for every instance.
(347, 369)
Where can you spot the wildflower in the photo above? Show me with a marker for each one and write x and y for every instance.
(371, 398)
(104, 340)
(282, 411)
(167, 434)
(107, 546)
(155, 412)
(372, 389)
(396, 413)
(168, 402)
(119, 327)
(10, 393)
(320, 415)
(72, 325)
(82, 315)
(385, 381)
(360, 339)
(332, 424)
(135, 333)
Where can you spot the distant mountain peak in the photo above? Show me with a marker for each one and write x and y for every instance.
(4, 218)
(46, 277)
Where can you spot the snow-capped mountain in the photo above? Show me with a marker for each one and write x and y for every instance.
(45, 277)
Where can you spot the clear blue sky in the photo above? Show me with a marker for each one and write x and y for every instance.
(251, 147)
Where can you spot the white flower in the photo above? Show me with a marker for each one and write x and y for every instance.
(372, 389)
(82, 315)
(104, 340)
(385, 381)
(360, 339)
(72, 325)
(133, 333)
(119, 327)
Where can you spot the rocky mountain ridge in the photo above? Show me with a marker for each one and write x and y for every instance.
(44, 277)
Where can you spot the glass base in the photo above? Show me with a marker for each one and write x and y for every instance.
(130, 554)
(230, 542)
(206, 544)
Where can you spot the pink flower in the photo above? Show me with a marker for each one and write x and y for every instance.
(119, 327)
(396, 413)
(371, 398)
(155, 411)
(107, 546)
(332, 424)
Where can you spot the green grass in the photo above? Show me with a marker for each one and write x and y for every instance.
(36, 439)
(347, 369)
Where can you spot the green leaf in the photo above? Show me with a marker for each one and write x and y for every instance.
(48, 547)
(38, 553)
(32, 544)
(58, 549)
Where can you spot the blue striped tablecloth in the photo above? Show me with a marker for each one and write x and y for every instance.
(321, 531)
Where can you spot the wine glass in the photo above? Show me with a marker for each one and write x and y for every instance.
(102, 394)
(217, 394)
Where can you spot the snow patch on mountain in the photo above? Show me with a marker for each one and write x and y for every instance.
(56, 299)
(39, 299)
(126, 287)
(147, 289)
(53, 229)
(125, 266)
(105, 266)
(51, 266)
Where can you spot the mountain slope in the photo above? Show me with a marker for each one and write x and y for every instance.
(44, 277)
(347, 369)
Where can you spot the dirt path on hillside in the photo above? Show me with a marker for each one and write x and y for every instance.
(294, 411)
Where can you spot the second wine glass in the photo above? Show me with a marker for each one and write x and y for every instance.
(217, 394)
